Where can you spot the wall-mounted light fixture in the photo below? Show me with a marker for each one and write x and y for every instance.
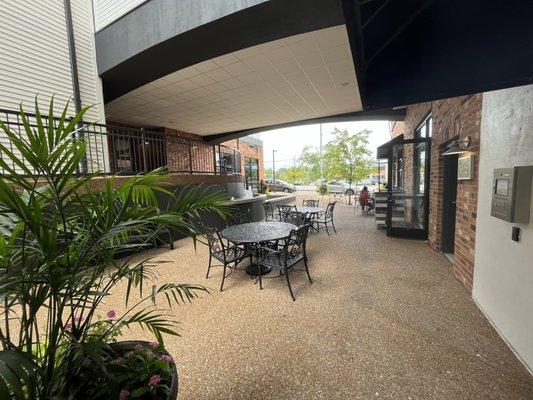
(458, 147)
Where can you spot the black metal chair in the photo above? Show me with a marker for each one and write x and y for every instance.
(227, 253)
(284, 209)
(295, 217)
(292, 252)
(310, 203)
(269, 211)
(326, 219)
(239, 217)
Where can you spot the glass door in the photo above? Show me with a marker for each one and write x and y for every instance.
(408, 188)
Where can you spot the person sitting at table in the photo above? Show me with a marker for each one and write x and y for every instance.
(365, 201)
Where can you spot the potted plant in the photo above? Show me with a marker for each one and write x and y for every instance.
(59, 246)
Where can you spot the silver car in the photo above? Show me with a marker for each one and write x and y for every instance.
(339, 187)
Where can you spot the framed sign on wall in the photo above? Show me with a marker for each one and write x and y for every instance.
(465, 167)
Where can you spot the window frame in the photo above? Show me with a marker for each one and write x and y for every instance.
(425, 126)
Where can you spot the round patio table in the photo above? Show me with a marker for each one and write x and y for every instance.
(255, 233)
(310, 210)
(313, 212)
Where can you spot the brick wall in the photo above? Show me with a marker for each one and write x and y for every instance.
(201, 154)
(457, 117)
(248, 150)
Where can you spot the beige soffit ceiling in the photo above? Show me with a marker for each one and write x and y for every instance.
(296, 78)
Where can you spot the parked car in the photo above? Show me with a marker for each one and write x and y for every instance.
(280, 186)
(339, 187)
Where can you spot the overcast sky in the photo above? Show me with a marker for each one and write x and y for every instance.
(289, 142)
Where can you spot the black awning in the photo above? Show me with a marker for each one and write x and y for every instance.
(383, 151)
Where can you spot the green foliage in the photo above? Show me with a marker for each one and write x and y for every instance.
(269, 173)
(322, 189)
(142, 372)
(346, 155)
(292, 174)
(310, 160)
(60, 244)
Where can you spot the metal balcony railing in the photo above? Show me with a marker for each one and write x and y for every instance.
(113, 149)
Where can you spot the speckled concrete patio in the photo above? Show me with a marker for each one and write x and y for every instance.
(385, 318)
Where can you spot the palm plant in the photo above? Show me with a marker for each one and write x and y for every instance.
(59, 243)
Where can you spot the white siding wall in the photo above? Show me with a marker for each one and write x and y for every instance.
(34, 56)
(107, 11)
(35, 59)
(90, 83)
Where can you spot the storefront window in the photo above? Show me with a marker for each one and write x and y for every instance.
(425, 129)
(251, 171)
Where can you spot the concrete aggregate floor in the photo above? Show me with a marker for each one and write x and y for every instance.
(384, 319)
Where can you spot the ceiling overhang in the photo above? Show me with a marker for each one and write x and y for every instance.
(161, 37)
(402, 51)
(297, 78)
(411, 51)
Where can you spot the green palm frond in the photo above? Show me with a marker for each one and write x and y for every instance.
(18, 375)
(61, 248)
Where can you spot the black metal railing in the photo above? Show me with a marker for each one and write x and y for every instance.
(127, 150)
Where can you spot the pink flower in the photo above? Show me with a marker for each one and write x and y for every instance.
(117, 360)
(154, 381)
(68, 325)
(128, 354)
(154, 345)
(123, 395)
(138, 347)
(165, 357)
(111, 315)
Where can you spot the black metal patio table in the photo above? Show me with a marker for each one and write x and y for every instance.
(254, 233)
(310, 210)
(313, 212)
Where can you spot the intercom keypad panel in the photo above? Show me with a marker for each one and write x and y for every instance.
(511, 194)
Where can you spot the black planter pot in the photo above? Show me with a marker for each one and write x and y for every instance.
(128, 345)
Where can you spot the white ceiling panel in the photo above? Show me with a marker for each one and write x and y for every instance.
(300, 77)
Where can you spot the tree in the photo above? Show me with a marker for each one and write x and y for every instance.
(310, 160)
(269, 174)
(293, 174)
(346, 156)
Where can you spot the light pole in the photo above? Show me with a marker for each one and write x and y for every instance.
(321, 160)
(273, 166)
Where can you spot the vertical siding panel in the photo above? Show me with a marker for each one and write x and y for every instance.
(35, 59)
(34, 54)
(90, 83)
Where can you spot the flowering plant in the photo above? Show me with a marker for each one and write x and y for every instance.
(140, 371)
(65, 244)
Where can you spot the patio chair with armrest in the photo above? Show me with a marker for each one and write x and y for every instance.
(284, 209)
(310, 203)
(292, 251)
(239, 217)
(295, 217)
(269, 211)
(326, 219)
(228, 254)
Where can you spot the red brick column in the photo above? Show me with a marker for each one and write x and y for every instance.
(458, 117)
